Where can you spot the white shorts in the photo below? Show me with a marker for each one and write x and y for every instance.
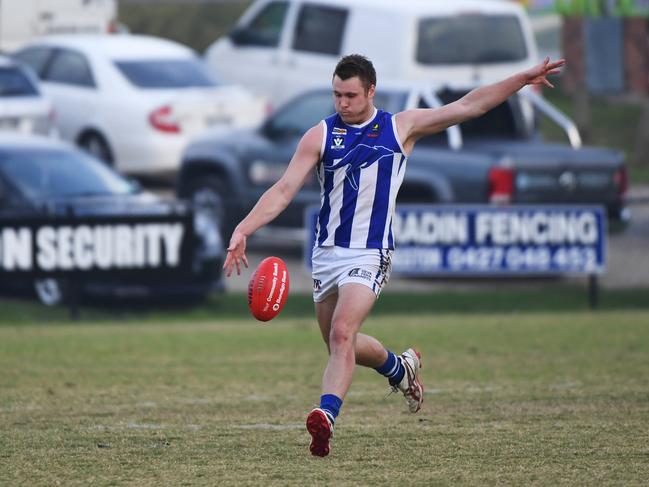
(335, 266)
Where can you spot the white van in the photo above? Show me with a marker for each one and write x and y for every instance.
(282, 47)
(24, 20)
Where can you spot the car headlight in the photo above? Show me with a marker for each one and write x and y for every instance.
(206, 227)
(262, 173)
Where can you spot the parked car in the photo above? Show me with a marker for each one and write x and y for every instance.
(23, 107)
(24, 20)
(134, 101)
(498, 158)
(46, 178)
(280, 48)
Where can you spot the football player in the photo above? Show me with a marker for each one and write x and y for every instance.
(360, 154)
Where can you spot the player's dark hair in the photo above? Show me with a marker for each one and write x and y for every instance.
(356, 65)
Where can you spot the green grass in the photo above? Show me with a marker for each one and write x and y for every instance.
(513, 398)
(494, 297)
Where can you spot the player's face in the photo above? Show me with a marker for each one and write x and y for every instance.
(353, 103)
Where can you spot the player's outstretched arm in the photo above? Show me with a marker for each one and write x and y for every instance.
(413, 124)
(275, 199)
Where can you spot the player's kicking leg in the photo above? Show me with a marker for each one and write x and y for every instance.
(340, 317)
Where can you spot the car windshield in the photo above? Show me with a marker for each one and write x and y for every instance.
(156, 74)
(499, 122)
(470, 39)
(306, 110)
(13, 82)
(42, 174)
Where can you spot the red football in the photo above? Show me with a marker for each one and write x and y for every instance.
(268, 288)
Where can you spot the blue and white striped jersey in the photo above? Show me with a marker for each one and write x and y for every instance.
(360, 172)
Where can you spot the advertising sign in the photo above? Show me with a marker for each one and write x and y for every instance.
(490, 240)
(39, 246)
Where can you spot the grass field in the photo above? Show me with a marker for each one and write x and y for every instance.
(488, 297)
(512, 398)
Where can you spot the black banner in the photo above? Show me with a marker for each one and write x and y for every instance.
(104, 244)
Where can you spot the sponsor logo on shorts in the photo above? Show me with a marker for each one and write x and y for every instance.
(362, 273)
(317, 284)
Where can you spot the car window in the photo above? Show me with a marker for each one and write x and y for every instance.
(470, 39)
(265, 29)
(320, 29)
(35, 57)
(6, 196)
(166, 73)
(14, 82)
(392, 101)
(307, 110)
(301, 114)
(52, 173)
(69, 67)
(500, 121)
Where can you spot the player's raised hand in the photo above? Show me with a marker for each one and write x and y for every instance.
(539, 73)
(236, 254)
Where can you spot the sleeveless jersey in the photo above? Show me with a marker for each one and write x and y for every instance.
(360, 172)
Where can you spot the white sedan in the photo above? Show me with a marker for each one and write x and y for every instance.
(23, 108)
(135, 101)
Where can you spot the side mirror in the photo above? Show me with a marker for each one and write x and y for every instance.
(239, 35)
(268, 129)
(136, 186)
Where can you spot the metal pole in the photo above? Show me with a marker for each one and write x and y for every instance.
(73, 289)
(593, 291)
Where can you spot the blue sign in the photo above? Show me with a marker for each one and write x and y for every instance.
(438, 240)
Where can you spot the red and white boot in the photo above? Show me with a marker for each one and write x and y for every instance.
(321, 430)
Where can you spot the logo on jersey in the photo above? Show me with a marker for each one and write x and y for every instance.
(338, 143)
(359, 157)
(374, 131)
(338, 131)
(361, 273)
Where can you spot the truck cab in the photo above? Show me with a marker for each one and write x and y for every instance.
(280, 48)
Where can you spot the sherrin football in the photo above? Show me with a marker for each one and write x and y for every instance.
(268, 288)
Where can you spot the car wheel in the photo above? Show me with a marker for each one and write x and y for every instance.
(50, 291)
(207, 194)
(94, 144)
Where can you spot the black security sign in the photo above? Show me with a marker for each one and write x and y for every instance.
(99, 244)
